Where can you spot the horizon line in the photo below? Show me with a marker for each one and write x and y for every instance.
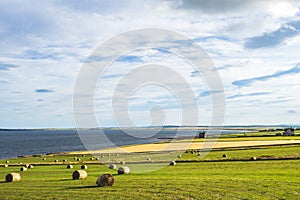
(164, 126)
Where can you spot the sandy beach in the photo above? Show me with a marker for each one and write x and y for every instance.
(180, 146)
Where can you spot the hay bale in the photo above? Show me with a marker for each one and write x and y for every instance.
(5, 166)
(69, 166)
(117, 154)
(30, 166)
(179, 156)
(105, 180)
(23, 169)
(91, 158)
(55, 160)
(79, 174)
(26, 165)
(149, 159)
(253, 158)
(83, 155)
(44, 158)
(112, 166)
(83, 167)
(124, 170)
(13, 177)
(199, 154)
(122, 162)
(224, 155)
(7, 161)
(186, 151)
(172, 163)
(65, 160)
(75, 158)
(97, 158)
(78, 159)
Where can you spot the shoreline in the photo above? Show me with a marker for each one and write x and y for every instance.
(179, 144)
(164, 147)
(182, 146)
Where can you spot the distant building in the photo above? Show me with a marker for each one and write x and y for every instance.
(202, 134)
(289, 132)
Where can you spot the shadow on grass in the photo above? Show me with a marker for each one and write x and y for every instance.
(82, 187)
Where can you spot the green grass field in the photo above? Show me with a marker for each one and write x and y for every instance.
(226, 180)
(268, 179)
(263, 152)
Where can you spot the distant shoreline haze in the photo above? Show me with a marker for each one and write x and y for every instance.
(164, 127)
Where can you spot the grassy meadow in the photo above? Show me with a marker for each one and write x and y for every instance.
(202, 180)
(197, 175)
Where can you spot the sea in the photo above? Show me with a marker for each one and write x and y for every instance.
(14, 143)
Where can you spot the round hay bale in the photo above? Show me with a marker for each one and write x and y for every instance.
(122, 162)
(91, 158)
(7, 161)
(83, 167)
(172, 163)
(75, 158)
(69, 166)
(13, 177)
(199, 154)
(23, 169)
(224, 155)
(105, 180)
(5, 165)
(124, 170)
(149, 159)
(78, 159)
(79, 174)
(186, 151)
(112, 166)
(55, 160)
(83, 155)
(65, 160)
(97, 158)
(30, 166)
(102, 156)
(117, 154)
(253, 158)
(26, 165)
(44, 158)
(179, 156)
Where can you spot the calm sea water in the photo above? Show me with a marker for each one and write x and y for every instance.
(30, 142)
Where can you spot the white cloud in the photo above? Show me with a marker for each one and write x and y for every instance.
(50, 40)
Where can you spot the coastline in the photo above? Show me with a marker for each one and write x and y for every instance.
(162, 144)
(181, 146)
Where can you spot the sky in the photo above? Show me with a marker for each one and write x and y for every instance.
(254, 45)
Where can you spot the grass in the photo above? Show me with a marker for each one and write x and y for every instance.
(247, 153)
(257, 136)
(244, 153)
(276, 179)
(229, 180)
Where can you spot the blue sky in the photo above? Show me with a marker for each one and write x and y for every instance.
(254, 45)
